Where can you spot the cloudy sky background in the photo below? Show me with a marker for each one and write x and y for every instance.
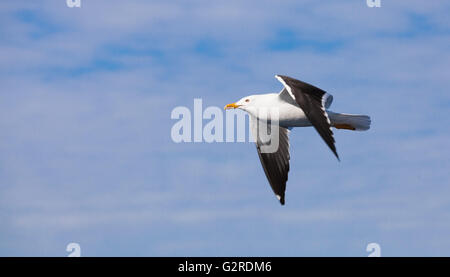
(86, 154)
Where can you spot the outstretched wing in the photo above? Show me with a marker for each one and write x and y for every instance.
(275, 164)
(313, 102)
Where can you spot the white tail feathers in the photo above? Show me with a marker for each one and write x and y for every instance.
(354, 122)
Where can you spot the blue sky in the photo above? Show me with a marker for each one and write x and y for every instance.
(86, 155)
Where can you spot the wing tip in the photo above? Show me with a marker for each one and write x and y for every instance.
(281, 199)
(337, 156)
(281, 77)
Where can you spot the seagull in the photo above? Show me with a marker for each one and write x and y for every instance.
(298, 104)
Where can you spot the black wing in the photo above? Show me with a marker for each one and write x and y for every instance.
(276, 164)
(312, 101)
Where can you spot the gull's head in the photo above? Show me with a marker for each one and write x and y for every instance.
(242, 104)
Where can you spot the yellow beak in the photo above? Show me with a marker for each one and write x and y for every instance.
(230, 106)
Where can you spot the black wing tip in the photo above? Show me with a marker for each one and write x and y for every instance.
(281, 198)
(337, 156)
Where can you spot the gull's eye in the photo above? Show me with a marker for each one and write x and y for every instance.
(247, 100)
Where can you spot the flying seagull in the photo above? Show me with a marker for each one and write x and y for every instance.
(299, 104)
